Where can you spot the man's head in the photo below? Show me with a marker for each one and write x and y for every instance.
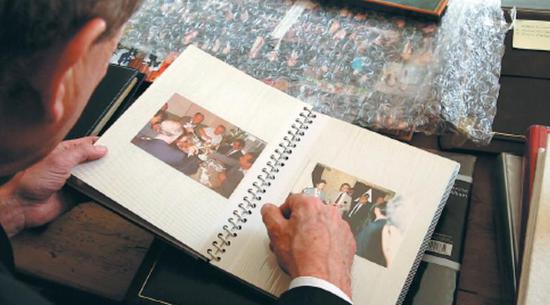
(247, 160)
(220, 129)
(197, 118)
(380, 211)
(158, 118)
(53, 53)
(238, 144)
(345, 187)
(380, 200)
(321, 184)
(364, 198)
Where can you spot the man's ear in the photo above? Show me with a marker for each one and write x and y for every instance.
(63, 72)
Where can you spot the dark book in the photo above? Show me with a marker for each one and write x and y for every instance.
(436, 279)
(432, 9)
(508, 219)
(117, 88)
(170, 276)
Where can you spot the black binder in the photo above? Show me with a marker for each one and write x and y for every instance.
(112, 95)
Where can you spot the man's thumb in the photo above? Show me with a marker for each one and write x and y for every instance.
(84, 150)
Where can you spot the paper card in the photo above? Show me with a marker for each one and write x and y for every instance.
(532, 35)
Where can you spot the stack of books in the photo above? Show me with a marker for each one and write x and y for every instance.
(525, 196)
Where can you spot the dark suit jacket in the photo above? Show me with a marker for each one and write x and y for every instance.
(310, 296)
(224, 149)
(169, 154)
(233, 176)
(362, 216)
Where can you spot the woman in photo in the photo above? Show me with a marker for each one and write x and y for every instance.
(375, 240)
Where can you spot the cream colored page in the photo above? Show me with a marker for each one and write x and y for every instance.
(155, 191)
(532, 35)
(419, 178)
(536, 279)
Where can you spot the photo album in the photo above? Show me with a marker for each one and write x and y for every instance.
(198, 154)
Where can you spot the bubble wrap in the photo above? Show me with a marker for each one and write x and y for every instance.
(380, 71)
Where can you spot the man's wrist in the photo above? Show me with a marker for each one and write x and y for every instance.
(340, 279)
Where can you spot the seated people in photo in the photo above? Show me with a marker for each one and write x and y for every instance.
(233, 175)
(160, 146)
(199, 150)
(192, 124)
(152, 129)
(377, 240)
(212, 136)
(342, 200)
(233, 150)
(360, 213)
(317, 191)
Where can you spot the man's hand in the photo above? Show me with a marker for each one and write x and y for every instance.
(31, 198)
(311, 239)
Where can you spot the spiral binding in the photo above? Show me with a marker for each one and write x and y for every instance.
(263, 182)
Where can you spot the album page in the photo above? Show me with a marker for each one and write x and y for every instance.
(184, 155)
(389, 193)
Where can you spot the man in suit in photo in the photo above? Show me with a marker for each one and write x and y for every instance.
(342, 199)
(53, 54)
(234, 151)
(360, 213)
(233, 175)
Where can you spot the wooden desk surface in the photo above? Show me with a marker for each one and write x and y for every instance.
(95, 250)
(89, 248)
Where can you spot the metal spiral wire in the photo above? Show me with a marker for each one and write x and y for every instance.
(263, 182)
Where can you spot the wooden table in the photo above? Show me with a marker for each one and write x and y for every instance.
(89, 248)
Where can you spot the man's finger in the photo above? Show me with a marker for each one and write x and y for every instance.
(83, 150)
(297, 202)
(273, 218)
(83, 140)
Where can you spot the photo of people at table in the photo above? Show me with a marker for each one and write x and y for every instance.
(364, 206)
(200, 144)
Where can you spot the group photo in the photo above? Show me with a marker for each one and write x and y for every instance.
(363, 205)
(201, 145)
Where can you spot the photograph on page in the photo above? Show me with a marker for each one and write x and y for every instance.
(366, 207)
(200, 144)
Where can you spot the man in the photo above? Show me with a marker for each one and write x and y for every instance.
(160, 146)
(52, 56)
(233, 175)
(212, 136)
(359, 213)
(342, 200)
(234, 151)
(317, 191)
(193, 124)
(152, 129)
